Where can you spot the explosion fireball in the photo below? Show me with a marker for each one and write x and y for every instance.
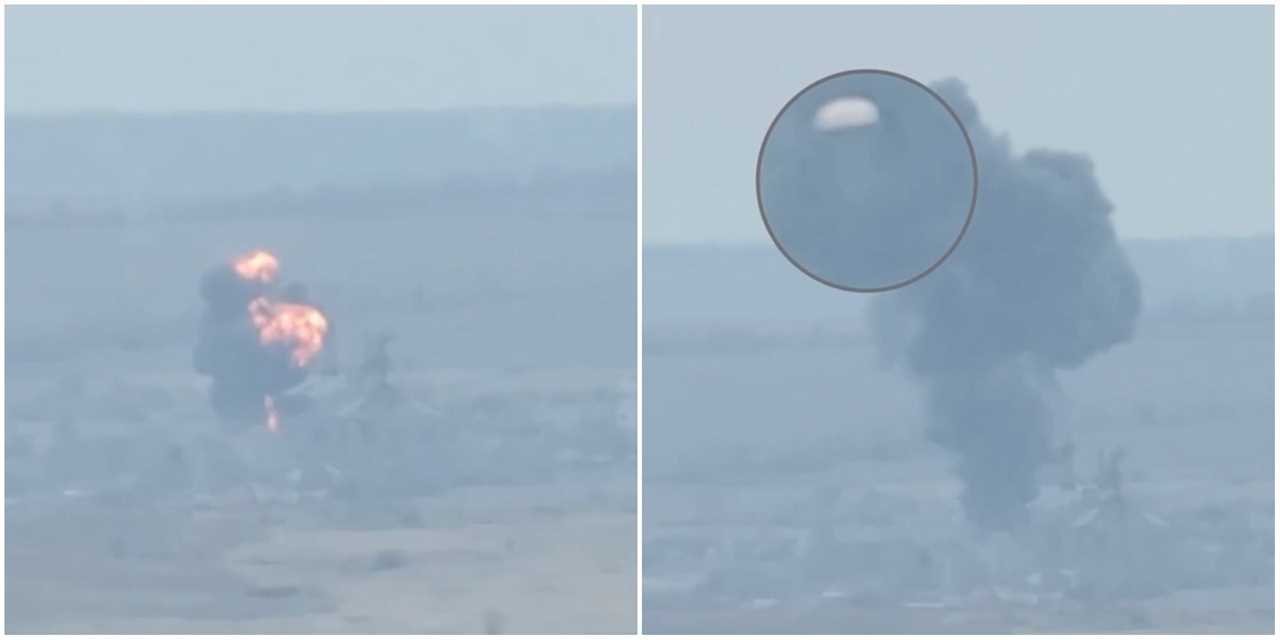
(257, 339)
(299, 325)
(257, 265)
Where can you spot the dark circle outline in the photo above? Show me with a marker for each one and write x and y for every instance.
(973, 200)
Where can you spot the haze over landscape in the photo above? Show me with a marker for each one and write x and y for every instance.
(1067, 427)
(458, 456)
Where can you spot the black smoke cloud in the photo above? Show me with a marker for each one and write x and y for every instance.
(1038, 284)
(243, 371)
(866, 206)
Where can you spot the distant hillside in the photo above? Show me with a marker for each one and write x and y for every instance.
(710, 295)
(108, 161)
(1205, 271)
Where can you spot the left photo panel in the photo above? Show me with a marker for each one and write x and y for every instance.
(320, 319)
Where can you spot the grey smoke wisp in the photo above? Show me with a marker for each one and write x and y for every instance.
(1039, 284)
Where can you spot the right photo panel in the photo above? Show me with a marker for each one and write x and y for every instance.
(958, 320)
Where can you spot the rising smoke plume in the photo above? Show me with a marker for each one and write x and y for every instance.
(257, 340)
(1038, 284)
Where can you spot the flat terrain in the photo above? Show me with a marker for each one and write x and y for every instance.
(254, 568)
(790, 486)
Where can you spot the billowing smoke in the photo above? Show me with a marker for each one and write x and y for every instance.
(257, 339)
(1038, 284)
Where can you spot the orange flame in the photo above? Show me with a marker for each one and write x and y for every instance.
(257, 265)
(301, 326)
(273, 418)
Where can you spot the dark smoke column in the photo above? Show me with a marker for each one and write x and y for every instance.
(1038, 284)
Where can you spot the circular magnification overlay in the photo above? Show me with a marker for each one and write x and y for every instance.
(866, 180)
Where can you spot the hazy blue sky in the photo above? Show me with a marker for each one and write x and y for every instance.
(1175, 105)
(316, 58)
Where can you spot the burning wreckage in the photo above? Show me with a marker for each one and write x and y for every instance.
(260, 340)
(341, 429)
(257, 340)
